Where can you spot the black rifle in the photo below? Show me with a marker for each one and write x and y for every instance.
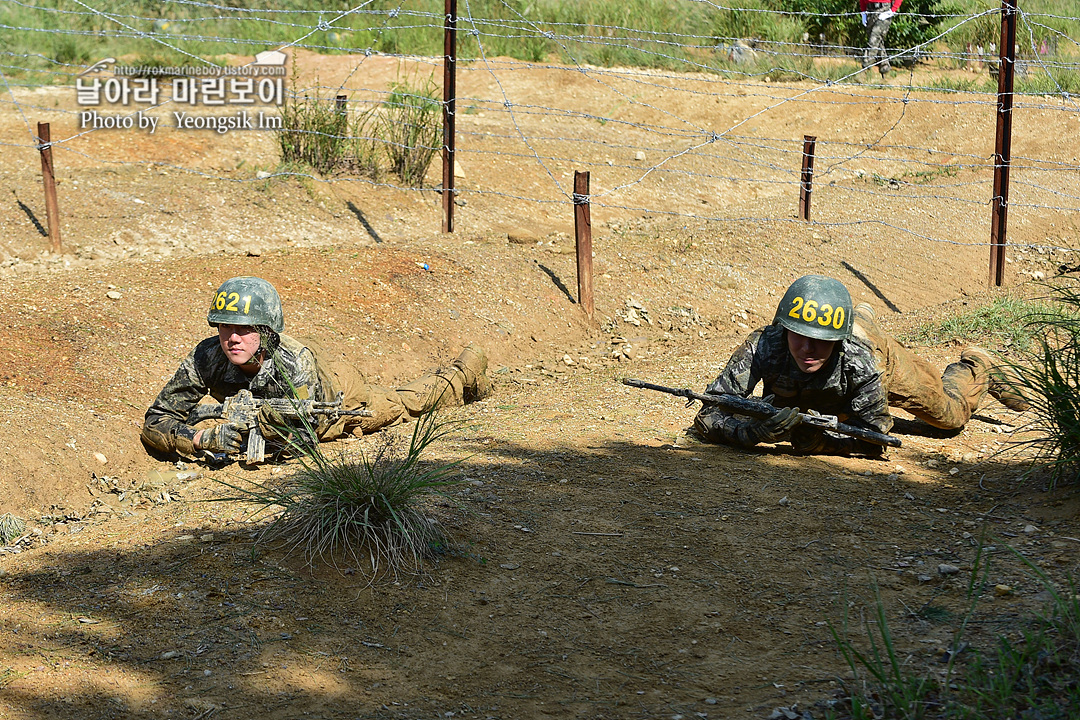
(762, 410)
(242, 409)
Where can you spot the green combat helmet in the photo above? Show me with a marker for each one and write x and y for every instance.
(246, 301)
(818, 307)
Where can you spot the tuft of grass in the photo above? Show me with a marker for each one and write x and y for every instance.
(412, 128)
(1005, 322)
(1036, 676)
(369, 511)
(326, 137)
(11, 528)
(1049, 377)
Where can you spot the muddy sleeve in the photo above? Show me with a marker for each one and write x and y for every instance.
(870, 402)
(165, 427)
(739, 377)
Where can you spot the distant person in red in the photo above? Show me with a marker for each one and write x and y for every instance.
(876, 18)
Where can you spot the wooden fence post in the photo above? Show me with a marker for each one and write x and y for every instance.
(48, 178)
(806, 180)
(583, 236)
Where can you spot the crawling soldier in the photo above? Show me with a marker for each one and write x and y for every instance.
(822, 355)
(250, 352)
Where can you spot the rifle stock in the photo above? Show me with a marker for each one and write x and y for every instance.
(761, 410)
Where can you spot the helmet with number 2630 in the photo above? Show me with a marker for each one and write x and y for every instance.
(818, 307)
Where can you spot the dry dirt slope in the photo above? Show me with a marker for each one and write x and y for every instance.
(596, 570)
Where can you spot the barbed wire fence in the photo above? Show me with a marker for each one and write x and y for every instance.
(635, 106)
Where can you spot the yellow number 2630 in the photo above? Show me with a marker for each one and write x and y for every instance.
(809, 311)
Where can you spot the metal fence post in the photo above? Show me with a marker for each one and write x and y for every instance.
(1003, 143)
(449, 107)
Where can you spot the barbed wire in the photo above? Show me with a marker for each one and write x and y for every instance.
(780, 77)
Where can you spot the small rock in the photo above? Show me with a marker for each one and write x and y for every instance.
(900, 470)
(208, 537)
(185, 538)
(569, 360)
(170, 654)
(254, 251)
(509, 566)
(954, 471)
(924, 578)
(522, 236)
(1030, 529)
(783, 502)
(101, 458)
(710, 701)
(113, 295)
(1002, 590)
(639, 155)
(946, 569)
(262, 175)
(783, 713)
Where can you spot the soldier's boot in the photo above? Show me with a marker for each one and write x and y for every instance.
(472, 362)
(1004, 385)
(465, 380)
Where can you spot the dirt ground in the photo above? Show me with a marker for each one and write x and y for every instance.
(600, 565)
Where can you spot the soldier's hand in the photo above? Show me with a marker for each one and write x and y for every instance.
(224, 438)
(272, 424)
(771, 429)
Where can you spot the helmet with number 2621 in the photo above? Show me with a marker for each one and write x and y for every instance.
(246, 301)
(818, 307)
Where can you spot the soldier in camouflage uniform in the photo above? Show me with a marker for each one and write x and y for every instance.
(876, 18)
(251, 352)
(822, 355)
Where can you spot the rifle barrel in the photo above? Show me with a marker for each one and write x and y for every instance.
(761, 410)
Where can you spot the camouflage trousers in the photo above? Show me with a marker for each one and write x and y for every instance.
(462, 381)
(945, 401)
(876, 30)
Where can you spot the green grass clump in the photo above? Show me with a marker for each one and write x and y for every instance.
(1002, 322)
(405, 132)
(11, 528)
(1035, 676)
(412, 129)
(1049, 376)
(369, 511)
(318, 133)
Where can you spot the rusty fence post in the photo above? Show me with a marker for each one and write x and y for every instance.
(449, 108)
(1003, 143)
(583, 236)
(48, 178)
(806, 180)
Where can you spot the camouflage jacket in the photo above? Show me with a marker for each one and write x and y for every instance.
(849, 386)
(206, 371)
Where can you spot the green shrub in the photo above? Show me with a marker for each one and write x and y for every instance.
(411, 128)
(367, 512)
(11, 527)
(1049, 376)
(319, 133)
